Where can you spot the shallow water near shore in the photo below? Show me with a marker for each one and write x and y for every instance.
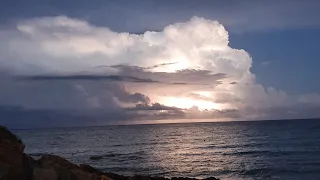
(228, 150)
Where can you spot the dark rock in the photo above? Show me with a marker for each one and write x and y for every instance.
(182, 178)
(9, 173)
(67, 170)
(13, 162)
(211, 178)
(81, 175)
(160, 178)
(55, 162)
(139, 177)
(90, 169)
(28, 164)
(45, 174)
(150, 178)
(11, 150)
(66, 174)
(116, 176)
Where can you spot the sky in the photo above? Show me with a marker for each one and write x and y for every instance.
(65, 63)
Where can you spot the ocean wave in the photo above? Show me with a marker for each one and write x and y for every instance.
(37, 154)
(134, 155)
(269, 171)
(265, 152)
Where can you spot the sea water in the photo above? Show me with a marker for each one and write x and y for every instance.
(287, 149)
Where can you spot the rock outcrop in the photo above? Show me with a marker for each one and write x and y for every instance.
(16, 165)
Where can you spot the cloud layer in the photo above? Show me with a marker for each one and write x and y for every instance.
(187, 70)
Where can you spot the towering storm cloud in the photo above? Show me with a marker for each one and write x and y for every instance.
(187, 70)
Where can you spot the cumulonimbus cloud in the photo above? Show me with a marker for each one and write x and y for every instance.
(191, 59)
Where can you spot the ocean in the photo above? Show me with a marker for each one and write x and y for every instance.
(287, 149)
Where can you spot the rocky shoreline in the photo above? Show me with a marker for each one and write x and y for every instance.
(16, 165)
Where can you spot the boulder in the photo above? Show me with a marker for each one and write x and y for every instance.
(90, 169)
(115, 176)
(11, 150)
(67, 170)
(139, 177)
(55, 162)
(182, 178)
(45, 174)
(14, 164)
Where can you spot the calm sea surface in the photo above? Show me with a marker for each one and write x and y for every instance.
(227, 150)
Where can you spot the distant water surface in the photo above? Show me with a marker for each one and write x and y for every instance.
(228, 150)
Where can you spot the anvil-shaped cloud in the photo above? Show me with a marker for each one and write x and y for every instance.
(188, 68)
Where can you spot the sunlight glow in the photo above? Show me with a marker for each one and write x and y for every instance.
(204, 93)
(187, 103)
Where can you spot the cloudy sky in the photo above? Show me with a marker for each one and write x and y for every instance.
(145, 61)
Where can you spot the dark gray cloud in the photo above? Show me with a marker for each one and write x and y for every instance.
(136, 74)
(100, 91)
(296, 111)
(122, 66)
(17, 117)
(86, 99)
(67, 93)
(105, 99)
(152, 107)
(185, 76)
(110, 78)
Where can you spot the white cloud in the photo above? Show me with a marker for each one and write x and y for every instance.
(64, 45)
